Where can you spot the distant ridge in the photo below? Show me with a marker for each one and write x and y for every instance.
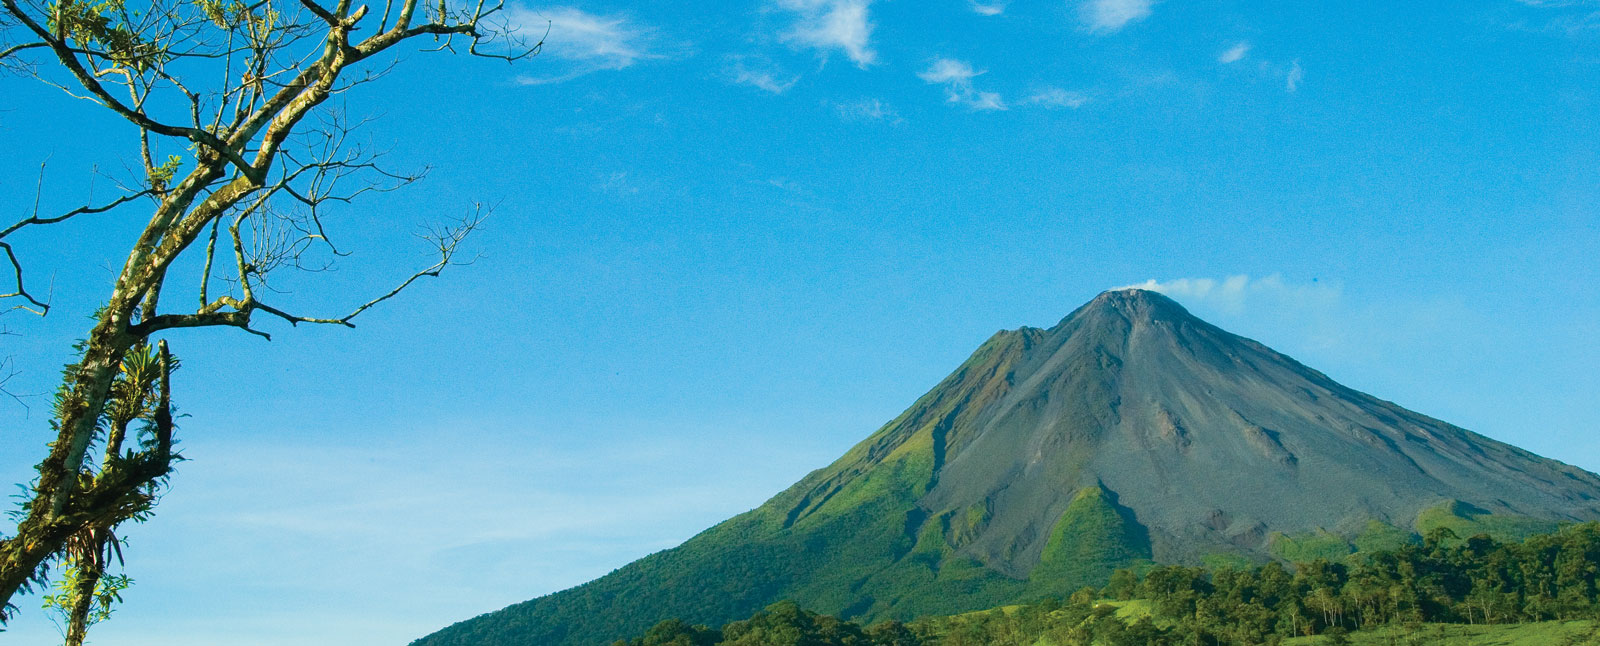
(1131, 431)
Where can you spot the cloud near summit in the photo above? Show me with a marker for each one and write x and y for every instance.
(1233, 294)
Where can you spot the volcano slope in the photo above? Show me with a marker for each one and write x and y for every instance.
(1129, 432)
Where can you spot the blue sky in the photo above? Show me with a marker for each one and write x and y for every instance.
(733, 238)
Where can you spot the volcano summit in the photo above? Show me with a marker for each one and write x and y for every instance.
(1131, 431)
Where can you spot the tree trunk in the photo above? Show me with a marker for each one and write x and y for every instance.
(21, 555)
(86, 400)
(42, 533)
(82, 604)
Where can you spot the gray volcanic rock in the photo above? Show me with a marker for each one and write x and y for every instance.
(1130, 431)
(1212, 438)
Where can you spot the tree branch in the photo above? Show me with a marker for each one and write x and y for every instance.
(43, 307)
(39, 307)
(9, 51)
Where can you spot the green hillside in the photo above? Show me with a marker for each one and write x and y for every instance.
(1129, 434)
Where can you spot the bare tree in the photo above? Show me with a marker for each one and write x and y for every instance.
(239, 86)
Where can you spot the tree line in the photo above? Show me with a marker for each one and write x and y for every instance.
(1441, 578)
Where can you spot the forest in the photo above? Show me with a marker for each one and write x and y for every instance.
(1407, 593)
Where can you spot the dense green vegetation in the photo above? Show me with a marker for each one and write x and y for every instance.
(1441, 590)
(1467, 520)
(1093, 538)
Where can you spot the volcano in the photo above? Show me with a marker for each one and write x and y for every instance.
(1130, 432)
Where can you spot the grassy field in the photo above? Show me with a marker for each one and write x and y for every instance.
(1549, 633)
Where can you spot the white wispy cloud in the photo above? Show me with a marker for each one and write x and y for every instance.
(1317, 321)
(833, 25)
(956, 77)
(1314, 310)
(993, 8)
(948, 70)
(867, 110)
(1295, 76)
(590, 42)
(1054, 97)
(1108, 16)
(759, 75)
(1235, 53)
(1232, 294)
